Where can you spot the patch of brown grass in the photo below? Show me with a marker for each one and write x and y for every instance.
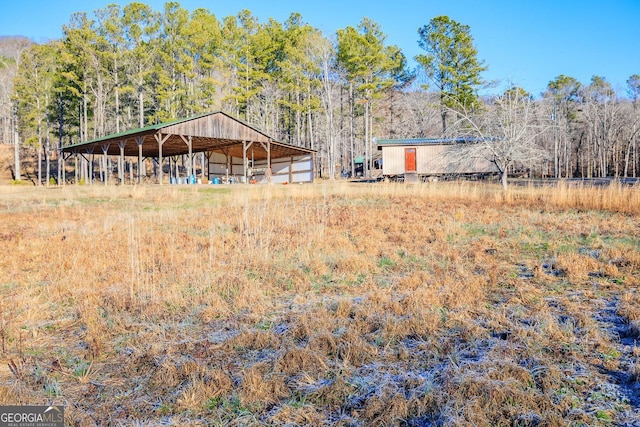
(442, 303)
(630, 307)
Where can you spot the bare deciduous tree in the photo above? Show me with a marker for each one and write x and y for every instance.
(602, 114)
(505, 133)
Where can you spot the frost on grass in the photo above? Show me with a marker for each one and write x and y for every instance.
(436, 304)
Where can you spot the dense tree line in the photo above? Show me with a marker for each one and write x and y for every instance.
(125, 67)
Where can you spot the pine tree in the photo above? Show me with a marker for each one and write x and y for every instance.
(33, 89)
(370, 68)
(204, 43)
(451, 64)
(140, 25)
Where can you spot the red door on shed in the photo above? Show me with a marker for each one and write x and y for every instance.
(410, 160)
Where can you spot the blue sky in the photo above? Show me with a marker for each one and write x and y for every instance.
(524, 41)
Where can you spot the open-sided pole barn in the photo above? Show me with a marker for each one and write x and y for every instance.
(235, 150)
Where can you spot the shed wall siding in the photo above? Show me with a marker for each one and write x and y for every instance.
(436, 159)
(393, 160)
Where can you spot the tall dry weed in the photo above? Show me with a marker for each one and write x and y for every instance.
(436, 303)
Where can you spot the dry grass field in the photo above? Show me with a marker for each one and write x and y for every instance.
(349, 305)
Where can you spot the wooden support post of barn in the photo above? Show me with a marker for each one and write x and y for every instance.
(291, 170)
(190, 170)
(139, 140)
(244, 160)
(84, 169)
(121, 162)
(245, 146)
(161, 141)
(89, 153)
(204, 161)
(62, 167)
(228, 163)
(267, 148)
(189, 166)
(105, 150)
(75, 156)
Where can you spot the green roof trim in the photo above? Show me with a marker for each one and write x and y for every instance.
(414, 141)
(428, 141)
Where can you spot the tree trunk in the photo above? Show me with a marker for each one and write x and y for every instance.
(331, 146)
(556, 153)
(116, 93)
(367, 154)
(47, 156)
(443, 114)
(40, 164)
(626, 160)
(353, 165)
(567, 155)
(60, 142)
(16, 145)
(39, 152)
(140, 100)
(85, 114)
(635, 157)
(298, 121)
(310, 119)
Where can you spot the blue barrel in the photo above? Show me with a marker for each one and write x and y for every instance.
(216, 180)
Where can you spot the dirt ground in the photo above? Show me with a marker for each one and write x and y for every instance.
(28, 165)
(6, 161)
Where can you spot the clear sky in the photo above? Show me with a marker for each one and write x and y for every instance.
(528, 42)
